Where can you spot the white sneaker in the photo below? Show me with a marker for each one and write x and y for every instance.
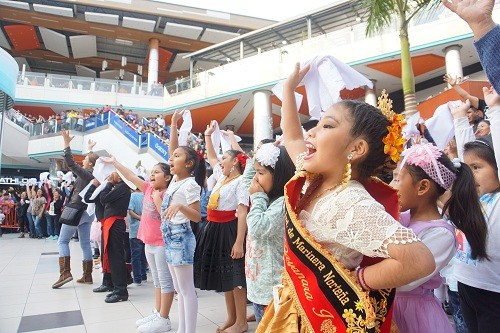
(144, 320)
(157, 325)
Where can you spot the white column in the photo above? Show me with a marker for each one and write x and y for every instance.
(453, 61)
(262, 116)
(371, 94)
(153, 62)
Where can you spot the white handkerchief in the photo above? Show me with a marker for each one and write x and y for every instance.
(324, 81)
(102, 170)
(187, 125)
(440, 125)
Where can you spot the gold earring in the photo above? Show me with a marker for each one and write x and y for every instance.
(347, 172)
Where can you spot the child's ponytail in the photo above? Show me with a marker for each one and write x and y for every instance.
(465, 211)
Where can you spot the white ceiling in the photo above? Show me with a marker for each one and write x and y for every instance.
(61, 11)
(102, 18)
(217, 36)
(54, 41)
(138, 24)
(182, 30)
(179, 64)
(3, 41)
(83, 46)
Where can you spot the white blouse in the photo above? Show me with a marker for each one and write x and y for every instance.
(232, 194)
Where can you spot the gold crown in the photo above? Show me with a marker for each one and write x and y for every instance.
(384, 103)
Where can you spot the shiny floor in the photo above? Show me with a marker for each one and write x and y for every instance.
(28, 267)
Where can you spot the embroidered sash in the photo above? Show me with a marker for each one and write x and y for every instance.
(325, 292)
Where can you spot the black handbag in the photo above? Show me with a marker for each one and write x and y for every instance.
(72, 213)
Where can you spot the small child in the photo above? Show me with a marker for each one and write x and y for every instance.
(424, 174)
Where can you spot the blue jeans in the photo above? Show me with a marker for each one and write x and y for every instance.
(138, 260)
(67, 231)
(38, 226)
(50, 224)
(31, 223)
(258, 310)
(454, 301)
(180, 243)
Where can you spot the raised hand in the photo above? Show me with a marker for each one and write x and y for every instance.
(176, 116)
(477, 14)
(296, 77)
(450, 80)
(460, 110)
(90, 144)
(491, 97)
(210, 128)
(66, 137)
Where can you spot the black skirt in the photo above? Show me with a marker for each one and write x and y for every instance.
(214, 269)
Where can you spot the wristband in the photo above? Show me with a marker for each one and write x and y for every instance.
(360, 277)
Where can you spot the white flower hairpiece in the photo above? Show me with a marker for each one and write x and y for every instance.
(267, 155)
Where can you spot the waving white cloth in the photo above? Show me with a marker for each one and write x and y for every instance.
(221, 140)
(187, 125)
(440, 125)
(324, 81)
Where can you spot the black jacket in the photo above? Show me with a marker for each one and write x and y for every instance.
(115, 199)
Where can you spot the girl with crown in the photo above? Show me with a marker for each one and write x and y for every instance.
(344, 248)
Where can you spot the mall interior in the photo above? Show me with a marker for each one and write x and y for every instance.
(108, 70)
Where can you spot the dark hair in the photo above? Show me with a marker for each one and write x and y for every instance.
(198, 170)
(369, 123)
(234, 153)
(463, 206)
(92, 157)
(283, 171)
(166, 170)
(482, 148)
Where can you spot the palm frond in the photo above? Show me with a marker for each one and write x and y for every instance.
(379, 14)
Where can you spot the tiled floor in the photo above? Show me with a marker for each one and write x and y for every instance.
(28, 267)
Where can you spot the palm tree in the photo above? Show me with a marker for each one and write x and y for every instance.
(381, 13)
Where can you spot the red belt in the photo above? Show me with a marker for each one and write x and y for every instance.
(221, 216)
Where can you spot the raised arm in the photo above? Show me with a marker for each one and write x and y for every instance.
(174, 134)
(70, 161)
(493, 101)
(209, 146)
(455, 84)
(126, 172)
(290, 121)
(463, 130)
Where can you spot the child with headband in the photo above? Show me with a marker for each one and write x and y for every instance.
(424, 174)
(265, 179)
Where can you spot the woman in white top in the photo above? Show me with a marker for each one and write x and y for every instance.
(219, 257)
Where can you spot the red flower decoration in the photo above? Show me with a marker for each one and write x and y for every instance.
(200, 155)
(242, 158)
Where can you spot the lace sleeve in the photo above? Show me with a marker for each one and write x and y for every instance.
(355, 220)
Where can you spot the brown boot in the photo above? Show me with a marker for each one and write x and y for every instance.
(65, 272)
(87, 272)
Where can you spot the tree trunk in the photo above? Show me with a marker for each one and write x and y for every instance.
(407, 77)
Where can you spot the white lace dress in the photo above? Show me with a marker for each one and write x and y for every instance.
(350, 224)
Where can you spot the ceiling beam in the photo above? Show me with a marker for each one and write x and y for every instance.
(94, 63)
(75, 25)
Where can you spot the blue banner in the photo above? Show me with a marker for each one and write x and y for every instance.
(144, 140)
(120, 125)
(131, 134)
(159, 147)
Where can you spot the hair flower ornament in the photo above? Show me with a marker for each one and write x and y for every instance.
(426, 156)
(267, 155)
(393, 141)
(242, 158)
